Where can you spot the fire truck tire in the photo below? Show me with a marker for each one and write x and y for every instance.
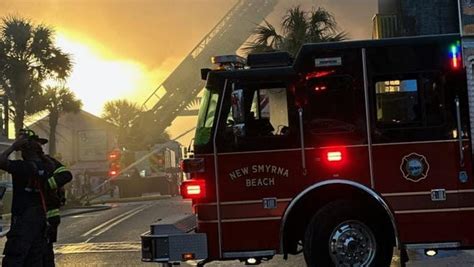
(347, 234)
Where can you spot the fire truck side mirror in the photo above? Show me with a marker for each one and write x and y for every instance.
(204, 73)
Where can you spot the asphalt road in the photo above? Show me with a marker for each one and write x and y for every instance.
(112, 238)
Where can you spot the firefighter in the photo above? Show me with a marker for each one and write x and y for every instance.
(52, 176)
(57, 175)
(46, 178)
(26, 240)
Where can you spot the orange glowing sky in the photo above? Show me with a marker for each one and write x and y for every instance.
(125, 48)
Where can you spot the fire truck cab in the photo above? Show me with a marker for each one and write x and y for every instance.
(343, 153)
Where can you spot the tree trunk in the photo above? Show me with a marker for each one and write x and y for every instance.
(6, 114)
(19, 118)
(53, 123)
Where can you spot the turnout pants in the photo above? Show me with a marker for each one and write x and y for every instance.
(51, 237)
(26, 240)
(48, 257)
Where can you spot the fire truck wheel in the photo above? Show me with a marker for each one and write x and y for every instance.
(344, 235)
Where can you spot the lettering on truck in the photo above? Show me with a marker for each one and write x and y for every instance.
(259, 169)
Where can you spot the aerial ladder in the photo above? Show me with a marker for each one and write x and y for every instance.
(173, 97)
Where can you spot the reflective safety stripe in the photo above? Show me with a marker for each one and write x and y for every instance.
(60, 169)
(52, 213)
(52, 183)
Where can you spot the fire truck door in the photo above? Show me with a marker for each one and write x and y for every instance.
(416, 152)
(257, 137)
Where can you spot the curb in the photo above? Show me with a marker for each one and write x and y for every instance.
(129, 199)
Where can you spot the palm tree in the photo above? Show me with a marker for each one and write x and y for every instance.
(298, 27)
(126, 116)
(58, 100)
(28, 56)
(121, 113)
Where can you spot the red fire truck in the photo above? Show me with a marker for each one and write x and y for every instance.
(345, 152)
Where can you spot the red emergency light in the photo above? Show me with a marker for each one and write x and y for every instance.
(193, 189)
(318, 74)
(334, 156)
(320, 87)
(114, 169)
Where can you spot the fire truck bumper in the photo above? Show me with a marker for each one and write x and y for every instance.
(172, 240)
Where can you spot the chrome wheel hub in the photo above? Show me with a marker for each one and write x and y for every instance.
(352, 243)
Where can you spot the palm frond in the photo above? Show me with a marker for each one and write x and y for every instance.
(121, 113)
(17, 32)
(321, 23)
(57, 64)
(41, 41)
(294, 23)
(266, 39)
(196, 102)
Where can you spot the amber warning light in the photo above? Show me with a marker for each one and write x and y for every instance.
(193, 189)
(114, 162)
(114, 155)
(188, 256)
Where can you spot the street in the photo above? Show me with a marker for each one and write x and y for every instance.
(112, 238)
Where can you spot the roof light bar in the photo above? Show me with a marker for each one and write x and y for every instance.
(455, 54)
(229, 62)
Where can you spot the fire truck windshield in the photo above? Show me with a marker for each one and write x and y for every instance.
(207, 111)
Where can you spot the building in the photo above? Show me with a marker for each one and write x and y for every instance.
(397, 18)
(82, 141)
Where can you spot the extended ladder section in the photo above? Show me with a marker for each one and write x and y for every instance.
(172, 97)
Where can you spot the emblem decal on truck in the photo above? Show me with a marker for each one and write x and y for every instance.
(414, 167)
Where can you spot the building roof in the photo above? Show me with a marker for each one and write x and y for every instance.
(40, 122)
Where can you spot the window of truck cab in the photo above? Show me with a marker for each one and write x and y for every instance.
(412, 106)
(266, 120)
(206, 116)
(335, 112)
(268, 114)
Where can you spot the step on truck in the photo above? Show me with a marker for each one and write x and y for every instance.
(345, 152)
